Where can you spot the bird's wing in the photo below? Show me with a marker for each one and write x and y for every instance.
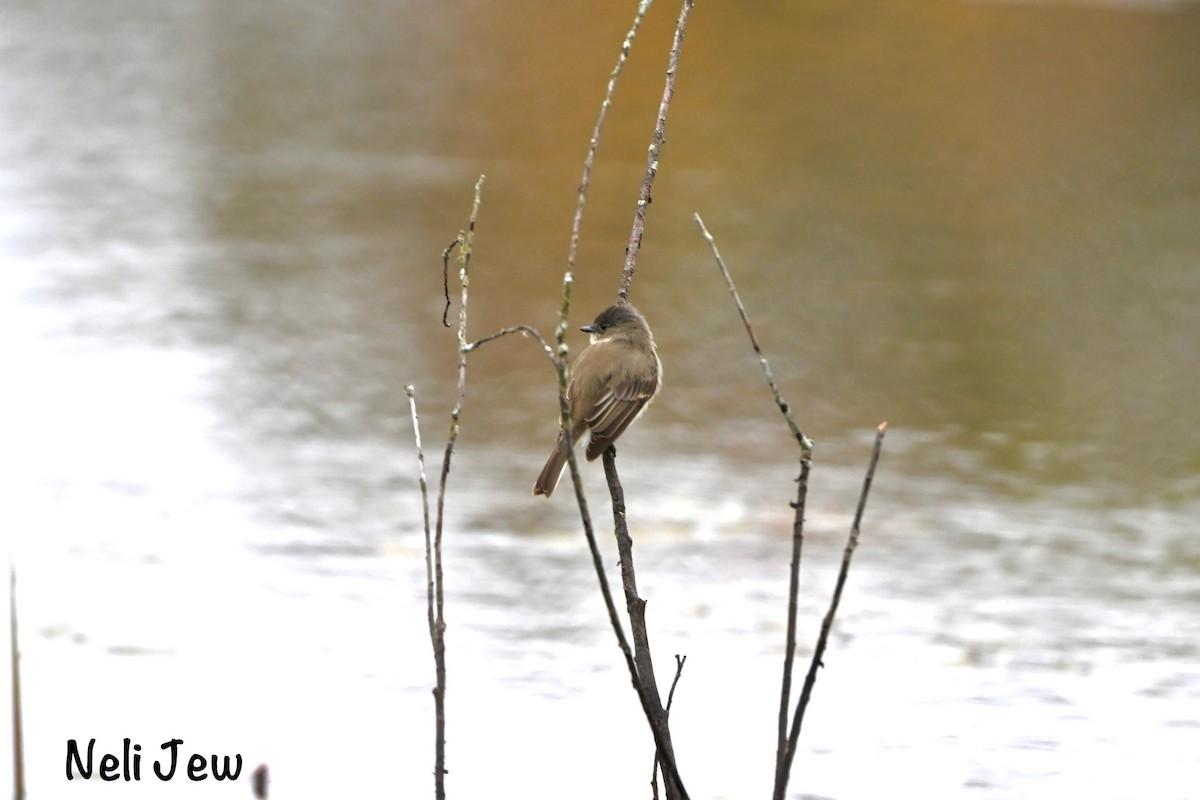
(614, 410)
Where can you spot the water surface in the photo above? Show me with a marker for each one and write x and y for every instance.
(220, 236)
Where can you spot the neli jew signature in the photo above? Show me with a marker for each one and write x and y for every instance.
(129, 765)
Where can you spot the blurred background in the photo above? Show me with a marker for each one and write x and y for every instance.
(220, 236)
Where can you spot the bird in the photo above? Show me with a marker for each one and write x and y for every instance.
(612, 381)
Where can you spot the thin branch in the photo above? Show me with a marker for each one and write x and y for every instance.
(613, 617)
(524, 330)
(18, 728)
(446, 279)
(660, 128)
(594, 145)
(640, 664)
(805, 443)
(464, 243)
(679, 662)
(433, 556)
(562, 365)
(569, 275)
(787, 739)
(561, 359)
(635, 606)
(783, 745)
(412, 407)
(827, 624)
(782, 755)
(560, 332)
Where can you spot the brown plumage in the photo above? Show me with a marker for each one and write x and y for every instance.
(612, 381)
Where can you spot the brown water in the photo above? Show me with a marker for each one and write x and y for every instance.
(220, 228)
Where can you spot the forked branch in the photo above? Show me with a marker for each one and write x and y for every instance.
(788, 730)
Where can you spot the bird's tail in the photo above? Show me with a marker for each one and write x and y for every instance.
(553, 470)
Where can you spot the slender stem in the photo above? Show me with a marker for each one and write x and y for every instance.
(431, 585)
(524, 330)
(783, 744)
(560, 332)
(635, 606)
(594, 144)
(561, 360)
(446, 279)
(18, 728)
(653, 709)
(464, 243)
(805, 443)
(562, 364)
(827, 623)
(614, 618)
(423, 483)
(679, 662)
(782, 753)
(656, 143)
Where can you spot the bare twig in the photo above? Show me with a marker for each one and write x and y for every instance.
(446, 279)
(638, 680)
(679, 662)
(805, 443)
(660, 128)
(412, 407)
(18, 728)
(562, 365)
(613, 617)
(635, 606)
(464, 243)
(573, 249)
(560, 333)
(648, 708)
(562, 362)
(788, 738)
(782, 756)
(784, 750)
(433, 607)
(433, 549)
(640, 663)
(594, 145)
(827, 623)
(524, 330)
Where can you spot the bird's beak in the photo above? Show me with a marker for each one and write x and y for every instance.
(588, 329)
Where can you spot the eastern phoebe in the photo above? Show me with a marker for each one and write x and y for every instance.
(612, 380)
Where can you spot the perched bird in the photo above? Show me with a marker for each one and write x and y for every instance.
(612, 381)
